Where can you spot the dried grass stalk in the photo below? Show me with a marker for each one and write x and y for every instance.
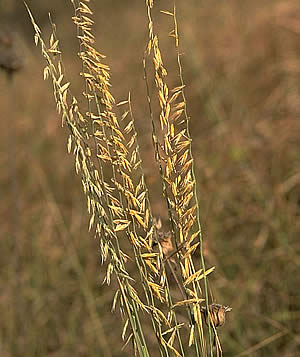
(107, 157)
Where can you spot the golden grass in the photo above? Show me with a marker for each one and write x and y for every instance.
(107, 157)
(241, 72)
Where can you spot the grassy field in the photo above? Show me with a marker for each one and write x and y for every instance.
(242, 71)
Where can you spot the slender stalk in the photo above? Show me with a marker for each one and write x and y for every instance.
(187, 120)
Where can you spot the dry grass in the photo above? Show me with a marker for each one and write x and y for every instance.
(108, 160)
(241, 71)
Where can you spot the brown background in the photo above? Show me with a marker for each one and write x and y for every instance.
(242, 70)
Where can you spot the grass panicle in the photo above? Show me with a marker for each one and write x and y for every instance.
(107, 157)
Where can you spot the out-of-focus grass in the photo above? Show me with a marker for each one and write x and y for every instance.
(242, 70)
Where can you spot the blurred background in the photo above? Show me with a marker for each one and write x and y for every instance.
(242, 71)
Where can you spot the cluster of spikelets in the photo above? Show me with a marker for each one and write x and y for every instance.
(107, 158)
